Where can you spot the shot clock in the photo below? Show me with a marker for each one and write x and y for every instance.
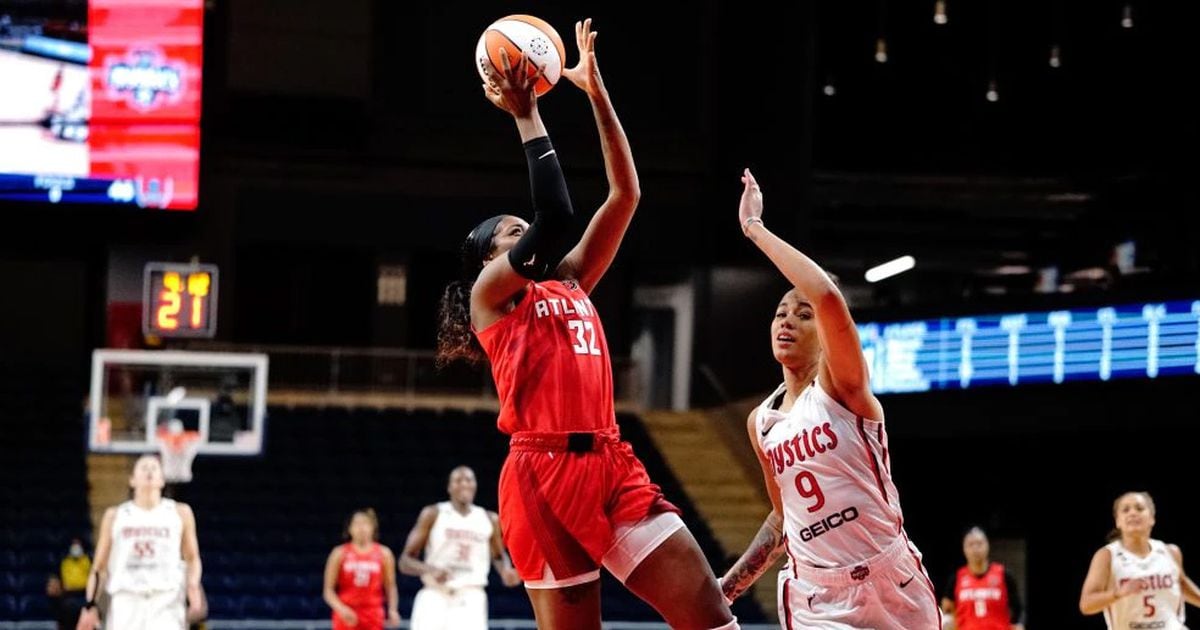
(179, 300)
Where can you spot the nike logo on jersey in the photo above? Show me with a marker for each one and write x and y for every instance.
(908, 581)
(771, 424)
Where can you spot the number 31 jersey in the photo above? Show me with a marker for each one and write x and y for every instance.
(360, 578)
(462, 545)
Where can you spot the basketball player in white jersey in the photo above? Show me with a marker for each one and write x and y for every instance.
(460, 540)
(1136, 581)
(821, 443)
(147, 558)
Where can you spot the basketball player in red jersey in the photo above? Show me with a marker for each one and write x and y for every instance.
(821, 442)
(573, 496)
(982, 595)
(356, 576)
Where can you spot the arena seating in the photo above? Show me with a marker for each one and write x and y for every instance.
(43, 500)
(267, 523)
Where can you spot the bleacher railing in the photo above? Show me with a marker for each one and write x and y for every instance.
(388, 371)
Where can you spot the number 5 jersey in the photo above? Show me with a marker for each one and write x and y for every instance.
(1157, 604)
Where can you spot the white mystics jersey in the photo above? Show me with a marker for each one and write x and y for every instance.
(840, 506)
(1157, 605)
(145, 555)
(461, 545)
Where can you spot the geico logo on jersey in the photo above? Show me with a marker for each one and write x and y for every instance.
(831, 522)
(142, 78)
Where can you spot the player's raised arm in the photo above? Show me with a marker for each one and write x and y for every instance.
(540, 245)
(588, 261)
(844, 370)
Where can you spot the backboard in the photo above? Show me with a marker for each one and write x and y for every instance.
(136, 394)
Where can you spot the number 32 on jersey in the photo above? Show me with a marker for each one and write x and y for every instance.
(585, 336)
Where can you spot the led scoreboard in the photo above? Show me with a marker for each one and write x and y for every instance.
(1098, 344)
(179, 300)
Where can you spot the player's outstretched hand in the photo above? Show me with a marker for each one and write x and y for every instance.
(751, 207)
(586, 74)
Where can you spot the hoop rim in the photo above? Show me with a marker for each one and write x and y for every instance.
(176, 443)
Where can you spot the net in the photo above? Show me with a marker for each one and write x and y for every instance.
(177, 449)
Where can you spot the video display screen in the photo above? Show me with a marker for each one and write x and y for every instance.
(1097, 344)
(100, 102)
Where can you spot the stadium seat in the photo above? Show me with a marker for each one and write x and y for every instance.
(267, 524)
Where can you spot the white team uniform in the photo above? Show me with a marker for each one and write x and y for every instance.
(146, 569)
(850, 563)
(462, 546)
(1158, 604)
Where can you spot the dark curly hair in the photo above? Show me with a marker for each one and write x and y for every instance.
(455, 341)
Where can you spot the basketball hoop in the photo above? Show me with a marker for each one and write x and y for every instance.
(178, 449)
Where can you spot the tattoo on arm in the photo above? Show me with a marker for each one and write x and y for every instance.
(762, 553)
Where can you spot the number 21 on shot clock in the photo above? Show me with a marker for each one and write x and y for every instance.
(179, 300)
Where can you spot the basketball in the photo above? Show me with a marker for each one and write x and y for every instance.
(522, 35)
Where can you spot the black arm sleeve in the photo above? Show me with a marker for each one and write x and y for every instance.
(543, 246)
(1016, 610)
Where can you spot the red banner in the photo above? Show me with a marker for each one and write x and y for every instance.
(146, 76)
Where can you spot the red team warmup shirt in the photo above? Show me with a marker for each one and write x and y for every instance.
(360, 586)
(553, 376)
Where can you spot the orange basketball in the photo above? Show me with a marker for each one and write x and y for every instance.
(522, 35)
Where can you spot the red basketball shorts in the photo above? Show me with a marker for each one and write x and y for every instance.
(562, 495)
